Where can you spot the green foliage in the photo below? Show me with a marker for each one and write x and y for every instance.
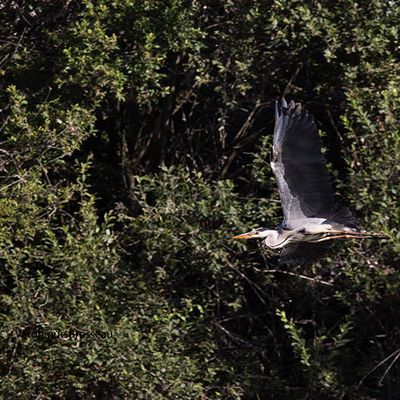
(187, 215)
(298, 341)
(117, 46)
(135, 141)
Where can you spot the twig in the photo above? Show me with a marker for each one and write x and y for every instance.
(294, 76)
(246, 125)
(252, 284)
(19, 42)
(332, 121)
(234, 337)
(308, 278)
(249, 120)
(389, 367)
(395, 354)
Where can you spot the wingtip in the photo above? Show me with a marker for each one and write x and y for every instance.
(291, 108)
(280, 107)
(277, 109)
(281, 103)
(296, 108)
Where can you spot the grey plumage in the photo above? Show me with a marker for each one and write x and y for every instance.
(310, 222)
(299, 167)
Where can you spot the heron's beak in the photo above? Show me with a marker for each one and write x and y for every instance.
(247, 235)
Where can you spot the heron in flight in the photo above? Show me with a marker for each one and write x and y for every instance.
(309, 225)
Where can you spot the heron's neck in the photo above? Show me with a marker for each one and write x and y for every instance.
(276, 239)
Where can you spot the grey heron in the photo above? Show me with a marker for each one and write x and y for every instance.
(310, 223)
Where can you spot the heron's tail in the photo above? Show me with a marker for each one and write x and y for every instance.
(347, 234)
(343, 217)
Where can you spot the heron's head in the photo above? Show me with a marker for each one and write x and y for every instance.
(259, 233)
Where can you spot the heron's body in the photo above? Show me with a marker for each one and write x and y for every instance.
(310, 222)
(312, 233)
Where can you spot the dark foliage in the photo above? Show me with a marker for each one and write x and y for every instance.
(135, 141)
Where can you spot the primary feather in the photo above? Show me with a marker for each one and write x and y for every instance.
(299, 167)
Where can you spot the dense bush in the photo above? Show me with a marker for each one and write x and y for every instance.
(135, 141)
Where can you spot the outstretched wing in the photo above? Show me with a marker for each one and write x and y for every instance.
(303, 253)
(299, 167)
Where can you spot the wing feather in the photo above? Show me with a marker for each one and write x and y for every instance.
(303, 253)
(299, 167)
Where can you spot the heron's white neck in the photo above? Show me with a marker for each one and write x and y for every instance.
(273, 238)
(270, 236)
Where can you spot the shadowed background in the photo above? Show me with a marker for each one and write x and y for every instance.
(135, 141)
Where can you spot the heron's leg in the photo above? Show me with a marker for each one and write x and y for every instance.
(324, 239)
(351, 235)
